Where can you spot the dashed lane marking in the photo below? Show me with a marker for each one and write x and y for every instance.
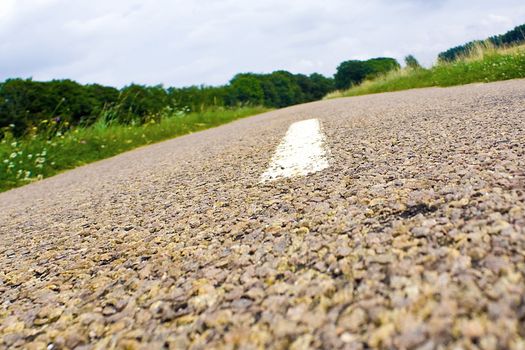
(301, 152)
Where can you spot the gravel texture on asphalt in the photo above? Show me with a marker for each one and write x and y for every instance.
(414, 238)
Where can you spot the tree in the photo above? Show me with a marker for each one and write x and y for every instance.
(411, 62)
(306, 86)
(27, 103)
(139, 103)
(246, 89)
(287, 90)
(381, 65)
(350, 73)
(321, 86)
(353, 72)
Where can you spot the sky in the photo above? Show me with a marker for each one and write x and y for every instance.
(192, 42)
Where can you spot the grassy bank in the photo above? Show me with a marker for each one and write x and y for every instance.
(484, 64)
(40, 155)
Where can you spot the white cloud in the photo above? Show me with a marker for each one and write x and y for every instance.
(208, 41)
(6, 8)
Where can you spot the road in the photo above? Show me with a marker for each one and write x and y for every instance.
(411, 236)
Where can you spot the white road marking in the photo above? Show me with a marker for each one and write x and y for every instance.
(301, 152)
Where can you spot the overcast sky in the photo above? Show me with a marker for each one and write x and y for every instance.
(184, 42)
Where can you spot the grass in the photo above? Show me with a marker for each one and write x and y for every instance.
(39, 156)
(483, 64)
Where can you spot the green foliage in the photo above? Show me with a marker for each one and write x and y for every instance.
(350, 73)
(199, 98)
(288, 91)
(319, 87)
(412, 63)
(353, 72)
(246, 89)
(382, 65)
(278, 89)
(515, 36)
(27, 103)
(42, 155)
(512, 37)
(492, 66)
(138, 103)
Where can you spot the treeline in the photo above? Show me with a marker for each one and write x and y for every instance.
(512, 37)
(26, 104)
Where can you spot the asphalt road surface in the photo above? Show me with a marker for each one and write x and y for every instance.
(411, 234)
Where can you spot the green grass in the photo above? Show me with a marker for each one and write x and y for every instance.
(483, 65)
(39, 156)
